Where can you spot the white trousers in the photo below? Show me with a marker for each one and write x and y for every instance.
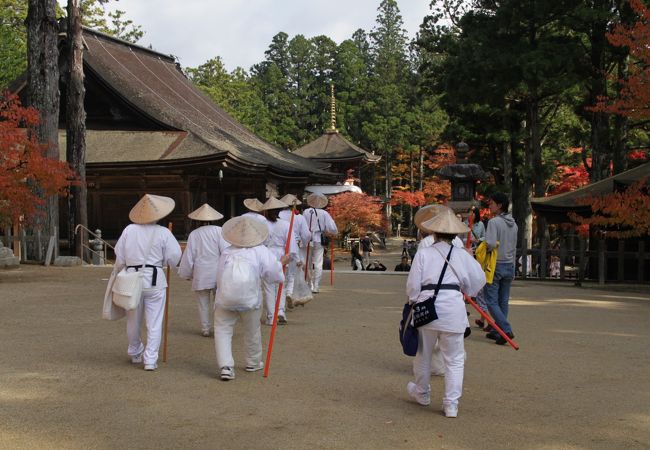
(205, 300)
(316, 265)
(224, 325)
(152, 306)
(270, 294)
(452, 349)
(292, 271)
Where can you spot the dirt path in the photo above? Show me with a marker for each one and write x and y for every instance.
(337, 377)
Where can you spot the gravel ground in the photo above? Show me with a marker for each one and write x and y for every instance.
(337, 378)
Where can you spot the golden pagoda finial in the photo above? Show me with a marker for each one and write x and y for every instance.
(332, 110)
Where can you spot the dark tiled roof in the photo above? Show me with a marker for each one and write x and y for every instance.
(331, 146)
(154, 84)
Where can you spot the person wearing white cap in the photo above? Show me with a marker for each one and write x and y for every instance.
(241, 269)
(200, 259)
(320, 222)
(301, 235)
(276, 243)
(146, 243)
(428, 273)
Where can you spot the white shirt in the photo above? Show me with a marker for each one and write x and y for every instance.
(133, 244)
(429, 240)
(450, 307)
(300, 228)
(316, 217)
(201, 256)
(277, 240)
(264, 263)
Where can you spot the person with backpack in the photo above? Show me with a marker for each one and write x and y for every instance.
(199, 261)
(242, 268)
(276, 243)
(148, 247)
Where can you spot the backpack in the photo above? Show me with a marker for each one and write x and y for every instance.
(239, 287)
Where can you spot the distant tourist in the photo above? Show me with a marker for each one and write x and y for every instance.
(357, 259)
(376, 266)
(403, 266)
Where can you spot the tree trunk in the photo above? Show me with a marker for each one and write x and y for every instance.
(521, 187)
(539, 182)
(388, 192)
(43, 73)
(76, 126)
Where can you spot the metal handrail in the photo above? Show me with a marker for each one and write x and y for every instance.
(87, 247)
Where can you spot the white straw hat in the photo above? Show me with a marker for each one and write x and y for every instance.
(274, 203)
(290, 200)
(151, 208)
(317, 200)
(205, 213)
(445, 222)
(427, 212)
(244, 231)
(253, 204)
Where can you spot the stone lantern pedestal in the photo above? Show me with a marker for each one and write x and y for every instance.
(463, 177)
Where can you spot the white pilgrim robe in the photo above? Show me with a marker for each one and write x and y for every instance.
(201, 256)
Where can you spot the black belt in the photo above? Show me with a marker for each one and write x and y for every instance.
(447, 287)
(155, 272)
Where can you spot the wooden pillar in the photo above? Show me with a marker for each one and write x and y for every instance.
(621, 260)
(563, 252)
(641, 262)
(602, 261)
(543, 263)
(524, 258)
(581, 261)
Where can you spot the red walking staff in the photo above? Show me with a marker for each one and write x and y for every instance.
(267, 364)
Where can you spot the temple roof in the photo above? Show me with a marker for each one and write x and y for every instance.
(194, 127)
(331, 147)
(556, 207)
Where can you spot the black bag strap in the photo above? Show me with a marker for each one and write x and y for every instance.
(442, 273)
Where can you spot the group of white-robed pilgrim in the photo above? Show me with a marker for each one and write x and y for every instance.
(235, 270)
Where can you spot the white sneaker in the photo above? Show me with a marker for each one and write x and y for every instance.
(205, 333)
(450, 411)
(137, 359)
(259, 366)
(150, 367)
(227, 373)
(422, 399)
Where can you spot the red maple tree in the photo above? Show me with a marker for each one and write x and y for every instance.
(622, 214)
(27, 175)
(633, 98)
(408, 198)
(356, 213)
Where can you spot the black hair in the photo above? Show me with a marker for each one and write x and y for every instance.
(477, 215)
(272, 214)
(502, 200)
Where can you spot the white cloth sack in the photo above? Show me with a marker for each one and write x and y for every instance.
(239, 287)
(127, 289)
(301, 290)
(111, 311)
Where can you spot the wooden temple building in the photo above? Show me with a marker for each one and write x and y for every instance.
(150, 130)
(337, 153)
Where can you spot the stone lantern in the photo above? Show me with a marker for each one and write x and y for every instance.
(463, 176)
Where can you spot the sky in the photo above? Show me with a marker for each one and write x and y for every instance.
(239, 31)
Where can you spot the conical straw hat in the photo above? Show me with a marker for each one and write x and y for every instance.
(151, 208)
(253, 204)
(290, 199)
(274, 203)
(445, 222)
(245, 231)
(205, 213)
(427, 213)
(317, 200)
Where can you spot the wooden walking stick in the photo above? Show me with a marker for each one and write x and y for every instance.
(332, 262)
(166, 316)
(267, 364)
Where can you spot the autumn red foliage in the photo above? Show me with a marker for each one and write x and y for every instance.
(408, 198)
(26, 174)
(633, 98)
(621, 215)
(356, 213)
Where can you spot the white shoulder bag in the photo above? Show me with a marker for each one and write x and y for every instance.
(127, 287)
